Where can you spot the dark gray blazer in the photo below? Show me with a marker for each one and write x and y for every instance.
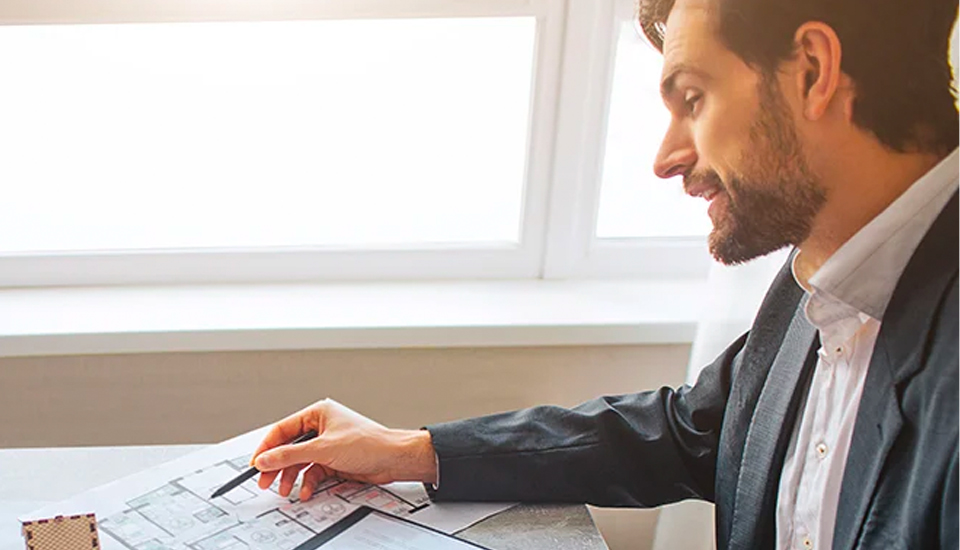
(724, 439)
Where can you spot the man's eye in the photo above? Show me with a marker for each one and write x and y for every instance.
(691, 102)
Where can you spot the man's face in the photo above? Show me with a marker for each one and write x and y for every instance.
(733, 139)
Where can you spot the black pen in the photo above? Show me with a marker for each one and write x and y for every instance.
(235, 482)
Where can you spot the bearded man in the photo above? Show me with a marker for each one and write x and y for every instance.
(828, 126)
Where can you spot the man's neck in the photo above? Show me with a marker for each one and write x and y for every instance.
(858, 189)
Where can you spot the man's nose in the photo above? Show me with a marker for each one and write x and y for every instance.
(677, 155)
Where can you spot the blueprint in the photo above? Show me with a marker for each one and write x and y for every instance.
(168, 507)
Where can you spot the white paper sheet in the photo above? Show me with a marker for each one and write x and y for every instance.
(375, 532)
(168, 507)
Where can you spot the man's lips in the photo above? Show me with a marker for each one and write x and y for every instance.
(707, 191)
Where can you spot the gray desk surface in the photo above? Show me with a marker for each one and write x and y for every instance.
(32, 478)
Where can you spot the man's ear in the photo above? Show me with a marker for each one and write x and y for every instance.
(818, 67)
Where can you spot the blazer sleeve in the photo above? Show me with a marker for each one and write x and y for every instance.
(949, 511)
(643, 449)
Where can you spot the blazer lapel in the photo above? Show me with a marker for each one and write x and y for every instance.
(768, 433)
(898, 354)
(749, 374)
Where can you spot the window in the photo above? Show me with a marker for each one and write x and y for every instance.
(264, 134)
(611, 217)
(147, 143)
(634, 203)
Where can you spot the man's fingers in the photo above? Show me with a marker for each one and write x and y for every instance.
(289, 477)
(266, 479)
(284, 432)
(288, 455)
(312, 478)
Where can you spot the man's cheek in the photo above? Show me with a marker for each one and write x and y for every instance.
(713, 149)
(724, 140)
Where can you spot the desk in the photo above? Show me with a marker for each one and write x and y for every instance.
(31, 478)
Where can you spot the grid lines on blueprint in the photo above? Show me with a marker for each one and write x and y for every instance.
(179, 515)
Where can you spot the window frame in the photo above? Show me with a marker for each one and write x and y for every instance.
(574, 250)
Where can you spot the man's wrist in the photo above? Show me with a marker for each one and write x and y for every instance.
(416, 448)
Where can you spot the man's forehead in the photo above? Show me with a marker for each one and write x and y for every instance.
(690, 29)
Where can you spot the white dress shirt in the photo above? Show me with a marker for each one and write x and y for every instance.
(848, 296)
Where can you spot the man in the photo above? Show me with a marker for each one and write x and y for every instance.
(827, 125)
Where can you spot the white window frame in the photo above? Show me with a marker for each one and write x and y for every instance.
(573, 249)
(574, 54)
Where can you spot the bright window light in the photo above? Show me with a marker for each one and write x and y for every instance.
(633, 201)
(331, 134)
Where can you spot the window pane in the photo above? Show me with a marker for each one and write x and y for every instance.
(253, 134)
(633, 201)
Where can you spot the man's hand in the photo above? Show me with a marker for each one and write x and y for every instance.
(348, 445)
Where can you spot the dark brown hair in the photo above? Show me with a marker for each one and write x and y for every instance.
(895, 51)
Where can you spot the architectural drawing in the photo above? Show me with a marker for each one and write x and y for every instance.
(168, 506)
(180, 516)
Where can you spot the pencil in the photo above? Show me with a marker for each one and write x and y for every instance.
(252, 471)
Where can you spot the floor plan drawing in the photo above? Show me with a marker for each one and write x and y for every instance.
(168, 506)
(180, 516)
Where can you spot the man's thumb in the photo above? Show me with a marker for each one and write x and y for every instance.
(288, 455)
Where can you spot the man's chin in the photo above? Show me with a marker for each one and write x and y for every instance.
(722, 253)
(731, 251)
(725, 246)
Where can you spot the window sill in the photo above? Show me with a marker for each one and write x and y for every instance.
(145, 319)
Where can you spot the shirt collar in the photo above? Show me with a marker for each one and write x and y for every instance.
(864, 271)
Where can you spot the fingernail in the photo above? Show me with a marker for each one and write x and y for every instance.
(264, 462)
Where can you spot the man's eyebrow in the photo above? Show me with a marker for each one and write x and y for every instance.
(669, 81)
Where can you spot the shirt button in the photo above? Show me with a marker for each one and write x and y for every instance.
(807, 543)
(821, 450)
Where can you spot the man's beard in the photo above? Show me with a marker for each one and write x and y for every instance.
(772, 200)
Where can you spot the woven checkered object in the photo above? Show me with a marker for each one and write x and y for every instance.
(62, 533)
